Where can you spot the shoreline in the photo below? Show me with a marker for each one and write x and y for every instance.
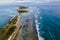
(28, 32)
(37, 28)
(15, 33)
(9, 20)
(8, 28)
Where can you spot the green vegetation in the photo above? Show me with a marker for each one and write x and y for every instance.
(6, 31)
(14, 20)
(23, 11)
(23, 7)
(10, 31)
(3, 30)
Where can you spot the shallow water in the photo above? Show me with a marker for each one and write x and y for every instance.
(6, 13)
(48, 20)
(4, 20)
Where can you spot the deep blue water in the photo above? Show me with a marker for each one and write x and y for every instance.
(49, 26)
(48, 19)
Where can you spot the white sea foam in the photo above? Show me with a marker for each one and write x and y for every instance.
(37, 28)
(36, 21)
(31, 10)
(36, 16)
(40, 38)
(40, 17)
(38, 12)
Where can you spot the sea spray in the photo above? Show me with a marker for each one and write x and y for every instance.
(37, 27)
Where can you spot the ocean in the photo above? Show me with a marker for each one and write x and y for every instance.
(48, 25)
(6, 13)
(47, 18)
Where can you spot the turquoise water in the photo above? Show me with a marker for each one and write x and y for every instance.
(49, 27)
(48, 19)
(6, 13)
(4, 20)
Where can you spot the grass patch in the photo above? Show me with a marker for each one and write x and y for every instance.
(14, 20)
(10, 31)
(6, 31)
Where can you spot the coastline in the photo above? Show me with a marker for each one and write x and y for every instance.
(8, 28)
(37, 28)
(28, 32)
(15, 33)
(8, 22)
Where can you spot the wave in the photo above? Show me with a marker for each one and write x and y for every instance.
(37, 28)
